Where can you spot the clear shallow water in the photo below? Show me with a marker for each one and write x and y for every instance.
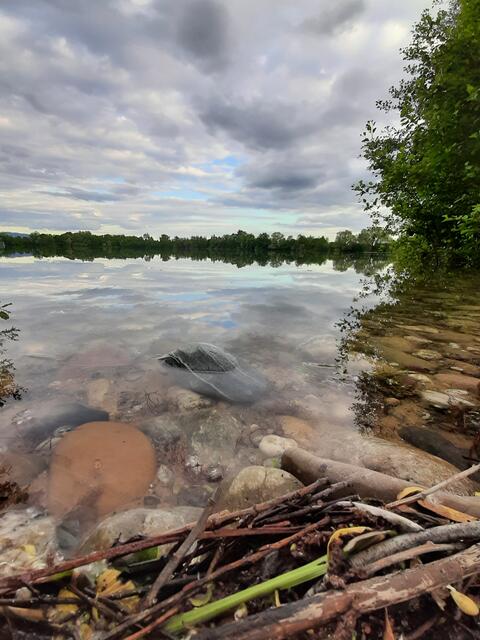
(64, 308)
(90, 334)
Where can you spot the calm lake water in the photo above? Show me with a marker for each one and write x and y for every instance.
(344, 373)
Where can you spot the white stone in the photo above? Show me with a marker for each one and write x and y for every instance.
(273, 446)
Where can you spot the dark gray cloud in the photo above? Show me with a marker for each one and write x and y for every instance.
(260, 124)
(334, 17)
(203, 31)
(200, 116)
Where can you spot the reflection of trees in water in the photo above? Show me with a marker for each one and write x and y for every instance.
(8, 386)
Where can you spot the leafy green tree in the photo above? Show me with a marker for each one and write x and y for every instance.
(426, 169)
(345, 240)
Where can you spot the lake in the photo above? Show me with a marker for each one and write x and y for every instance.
(387, 380)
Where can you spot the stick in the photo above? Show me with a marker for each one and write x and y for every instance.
(408, 554)
(361, 597)
(197, 584)
(37, 576)
(404, 524)
(444, 533)
(427, 492)
(367, 483)
(178, 556)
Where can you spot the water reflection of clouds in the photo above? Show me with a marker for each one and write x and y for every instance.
(62, 306)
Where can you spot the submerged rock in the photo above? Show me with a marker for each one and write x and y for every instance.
(27, 541)
(168, 437)
(215, 437)
(21, 468)
(102, 465)
(121, 527)
(451, 398)
(273, 446)
(184, 400)
(40, 421)
(213, 372)
(459, 381)
(433, 442)
(299, 430)
(257, 484)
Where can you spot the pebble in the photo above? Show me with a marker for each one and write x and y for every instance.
(273, 446)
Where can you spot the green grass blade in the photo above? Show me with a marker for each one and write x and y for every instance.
(211, 610)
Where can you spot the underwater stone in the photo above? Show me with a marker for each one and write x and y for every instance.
(102, 465)
(273, 446)
(213, 372)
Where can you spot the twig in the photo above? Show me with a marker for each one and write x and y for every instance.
(444, 533)
(408, 554)
(423, 628)
(197, 584)
(153, 625)
(216, 520)
(177, 557)
(404, 524)
(427, 492)
(361, 597)
(93, 602)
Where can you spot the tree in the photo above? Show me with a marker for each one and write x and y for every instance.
(426, 170)
(345, 240)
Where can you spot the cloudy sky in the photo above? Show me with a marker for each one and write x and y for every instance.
(191, 116)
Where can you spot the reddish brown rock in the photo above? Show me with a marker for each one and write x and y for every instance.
(459, 381)
(102, 465)
(299, 430)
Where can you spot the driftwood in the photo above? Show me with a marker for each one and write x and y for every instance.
(359, 597)
(367, 483)
(404, 524)
(427, 492)
(442, 534)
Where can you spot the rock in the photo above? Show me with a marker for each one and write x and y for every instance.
(394, 342)
(27, 541)
(298, 430)
(420, 377)
(165, 476)
(459, 381)
(391, 402)
(393, 458)
(213, 372)
(126, 525)
(433, 442)
(184, 400)
(463, 367)
(167, 436)
(450, 398)
(214, 473)
(419, 328)
(257, 484)
(273, 446)
(406, 361)
(100, 464)
(100, 394)
(38, 491)
(215, 438)
(427, 354)
(21, 468)
(39, 421)
(195, 495)
(193, 466)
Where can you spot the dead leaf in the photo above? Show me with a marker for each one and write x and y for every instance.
(464, 602)
(388, 631)
(446, 512)
(60, 612)
(365, 540)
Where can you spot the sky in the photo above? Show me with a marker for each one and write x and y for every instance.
(191, 117)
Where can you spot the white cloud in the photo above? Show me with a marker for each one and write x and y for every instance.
(197, 117)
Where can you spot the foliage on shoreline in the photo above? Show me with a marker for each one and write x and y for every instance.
(426, 169)
(240, 248)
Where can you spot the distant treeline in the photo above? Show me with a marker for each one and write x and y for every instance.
(238, 248)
